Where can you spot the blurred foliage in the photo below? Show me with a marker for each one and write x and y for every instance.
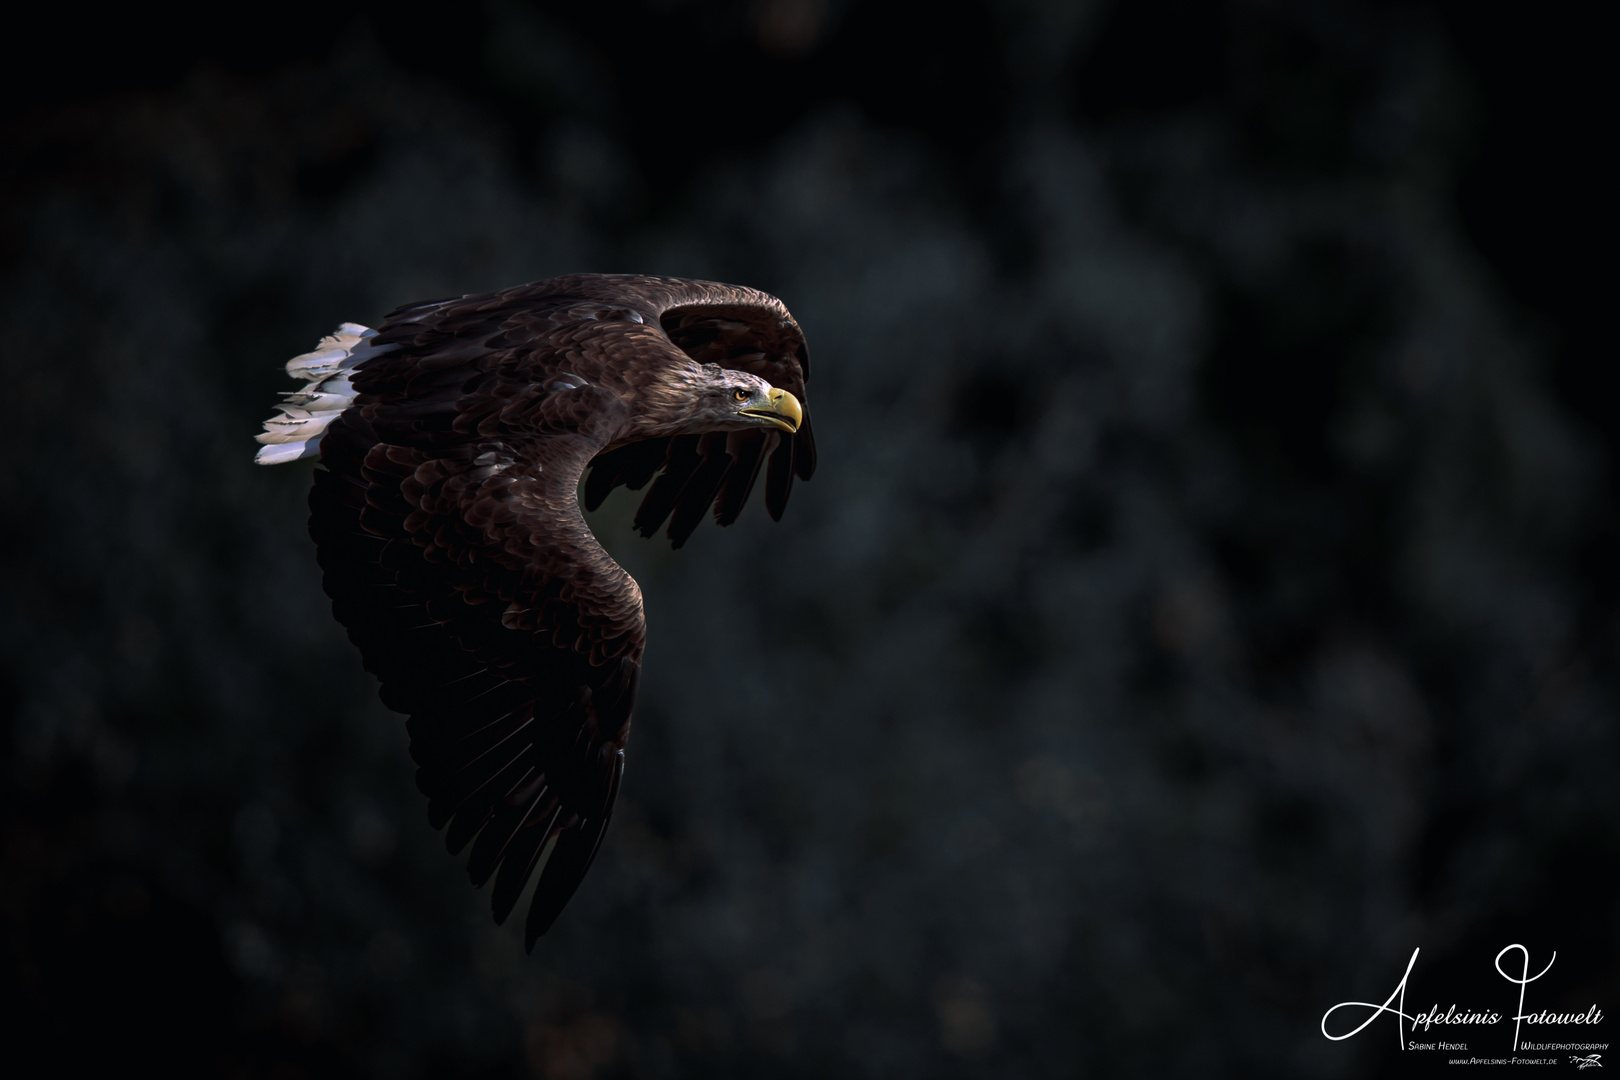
(1205, 598)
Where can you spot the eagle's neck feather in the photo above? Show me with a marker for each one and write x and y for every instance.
(667, 403)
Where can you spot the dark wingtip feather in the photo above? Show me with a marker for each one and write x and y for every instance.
(463, 827)
(699, 492)
(641, 460)
(682, 462)
(468, 787)
(631, 465)
(654, 509)
(522, 852)
(804, 451)
(748, 450)
(570, 859)
(568, 867)
(604, 475)
(505, 819)
(440, 809)
(779, 480)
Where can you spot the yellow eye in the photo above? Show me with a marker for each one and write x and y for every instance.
(739, 394)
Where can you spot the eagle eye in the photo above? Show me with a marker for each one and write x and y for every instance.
(740, 394)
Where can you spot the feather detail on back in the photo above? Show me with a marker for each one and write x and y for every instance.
(296, 431)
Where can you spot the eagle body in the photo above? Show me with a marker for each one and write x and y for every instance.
(446, 515)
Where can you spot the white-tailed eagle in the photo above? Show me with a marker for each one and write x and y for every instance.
(446, 518)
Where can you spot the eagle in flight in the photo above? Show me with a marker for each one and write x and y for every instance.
(446, 519)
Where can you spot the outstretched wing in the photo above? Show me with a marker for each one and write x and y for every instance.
(447, 520)
(448, 527)
(736, 328)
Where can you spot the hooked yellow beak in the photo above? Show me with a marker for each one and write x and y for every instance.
(784, 410)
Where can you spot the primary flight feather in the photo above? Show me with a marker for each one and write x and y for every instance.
(446, 518)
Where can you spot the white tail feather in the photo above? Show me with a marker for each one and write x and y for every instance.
(276, 455)
(296, 431)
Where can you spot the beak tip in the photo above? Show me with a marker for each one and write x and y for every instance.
(785, 412)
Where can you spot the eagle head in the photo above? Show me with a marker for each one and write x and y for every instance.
(708, 397)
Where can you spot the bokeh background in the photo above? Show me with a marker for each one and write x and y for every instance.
(1207, 595)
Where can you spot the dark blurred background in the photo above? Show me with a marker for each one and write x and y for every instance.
(1206, 598)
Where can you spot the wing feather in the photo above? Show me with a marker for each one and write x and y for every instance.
(699, 491)
(682, 462)
(779, 479)
(576, 850)
(520, 857)
(631, 465)
(529, 800)
(747, 450)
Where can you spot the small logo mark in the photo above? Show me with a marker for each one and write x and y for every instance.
(1587, 1062)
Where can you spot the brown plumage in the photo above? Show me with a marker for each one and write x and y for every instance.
(446, 519)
